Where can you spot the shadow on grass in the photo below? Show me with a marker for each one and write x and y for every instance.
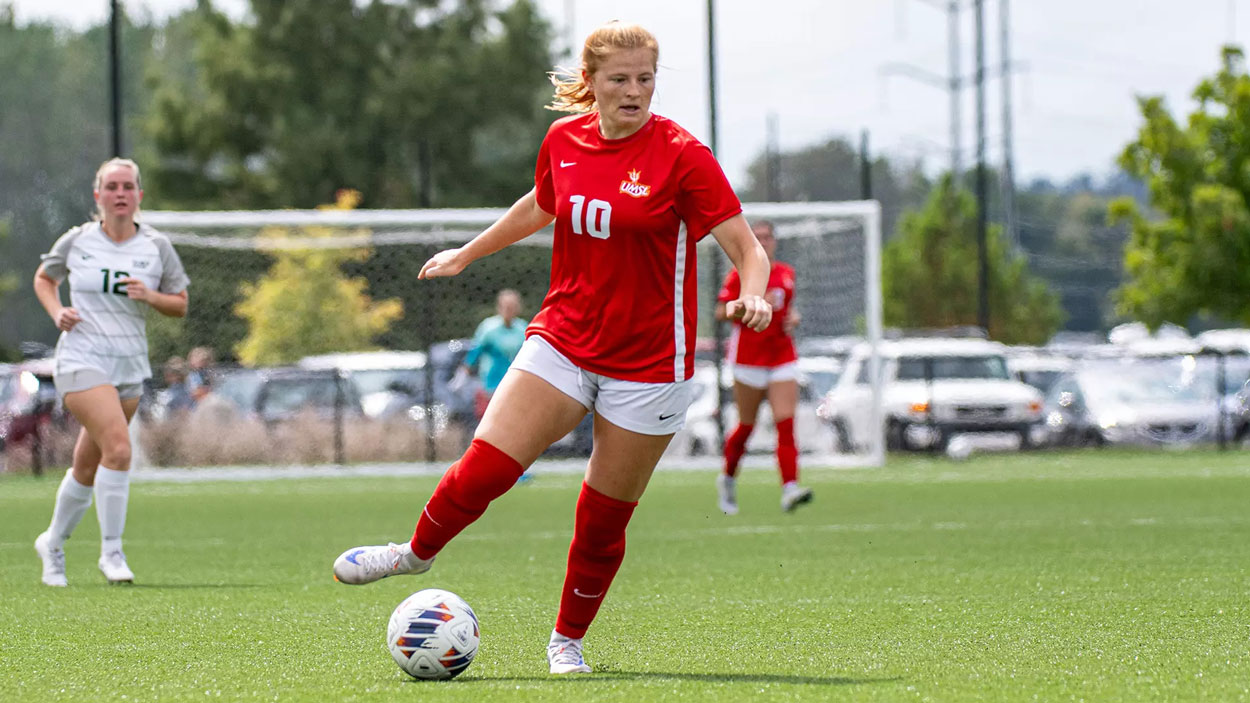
(611, 675)
(188, 586)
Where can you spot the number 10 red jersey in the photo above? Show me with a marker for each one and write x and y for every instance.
(623, 300)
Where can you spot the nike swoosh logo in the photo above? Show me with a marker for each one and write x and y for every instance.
(564, 164)
(665, 417)
(583, 595)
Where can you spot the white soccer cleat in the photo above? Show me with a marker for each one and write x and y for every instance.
(793, 495)
(53, 561)
(727, 493)
(113, 565)
(368, 564)
(565, 657)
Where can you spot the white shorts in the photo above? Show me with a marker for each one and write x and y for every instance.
(762, 376)
(645, 408)
(82, 378)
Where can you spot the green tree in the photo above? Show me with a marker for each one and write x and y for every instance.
(54, 133)
(1071, 246)
(1195, 258)
(421, 103)
(8, 284)
(929, 275)
(306, 305)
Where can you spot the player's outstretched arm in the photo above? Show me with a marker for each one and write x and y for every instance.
(735, 237)
(520, 221)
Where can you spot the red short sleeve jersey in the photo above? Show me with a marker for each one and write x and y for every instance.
(773, 346)
(623, 301)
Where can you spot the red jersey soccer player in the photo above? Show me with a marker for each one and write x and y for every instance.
(615, 335)
(765, 366)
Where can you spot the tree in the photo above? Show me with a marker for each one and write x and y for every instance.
(1195, 258)
(54, 133)
(421, 103)
(1069, 244)
(306, 305)
(8, 284)
(929, 275)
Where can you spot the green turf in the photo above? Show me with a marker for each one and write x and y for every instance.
(1099, 576)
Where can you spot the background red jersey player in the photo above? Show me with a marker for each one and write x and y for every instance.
(764, 366)
(615, 335)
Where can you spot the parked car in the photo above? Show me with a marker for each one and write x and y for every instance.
(1037, 367)
(389, 383)
(1132, 401)
(816, 376)
(933, 389)
(286, 393)
(28, 400)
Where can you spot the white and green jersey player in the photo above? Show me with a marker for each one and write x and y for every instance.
(110, 345)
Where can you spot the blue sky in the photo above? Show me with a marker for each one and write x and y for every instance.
(817, 66)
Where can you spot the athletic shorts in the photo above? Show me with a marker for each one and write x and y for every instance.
(84, 378)
(762, 376)
(645, 408)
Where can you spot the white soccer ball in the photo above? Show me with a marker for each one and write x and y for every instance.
(959, 448)
(433, 634)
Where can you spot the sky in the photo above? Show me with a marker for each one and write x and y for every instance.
(831, 68)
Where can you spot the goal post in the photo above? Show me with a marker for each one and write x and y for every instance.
(835, 248)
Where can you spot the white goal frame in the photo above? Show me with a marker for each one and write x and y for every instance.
(430, 225)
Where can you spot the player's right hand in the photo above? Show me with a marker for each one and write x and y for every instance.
(445, 263)
(66, 318)
(752, 310)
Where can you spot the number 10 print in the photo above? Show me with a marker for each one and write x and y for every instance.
(598, 217)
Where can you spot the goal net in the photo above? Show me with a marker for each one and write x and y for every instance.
(288, 301)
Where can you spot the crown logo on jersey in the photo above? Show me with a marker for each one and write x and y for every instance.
(633, 187)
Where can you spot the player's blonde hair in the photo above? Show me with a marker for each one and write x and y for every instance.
(572, 92)
(99, 179)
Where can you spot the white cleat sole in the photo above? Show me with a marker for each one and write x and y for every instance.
(559, 670)
(801, 499)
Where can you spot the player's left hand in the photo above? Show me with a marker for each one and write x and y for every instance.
(135, 290)
(752, 310)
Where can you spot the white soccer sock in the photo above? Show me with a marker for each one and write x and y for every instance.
(112, 490)
(558, 639)
(72, 501)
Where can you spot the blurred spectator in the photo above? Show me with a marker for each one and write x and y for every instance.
(199, 376)
(175, 398)
(496, 343)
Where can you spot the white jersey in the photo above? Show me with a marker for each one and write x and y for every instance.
(112, 335)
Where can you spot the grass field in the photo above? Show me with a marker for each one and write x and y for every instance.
(1099, 576)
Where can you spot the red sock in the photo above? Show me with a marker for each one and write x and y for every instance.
(596, 553)
(787, 452)
(483, 474)
(735, 447)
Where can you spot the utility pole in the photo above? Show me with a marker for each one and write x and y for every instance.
(772, 160)
(953, 72)
(1009, 172)
(570, 36)
(865, 167)
(115, 72)
(717, 273)
(952, 82)
(983, 298)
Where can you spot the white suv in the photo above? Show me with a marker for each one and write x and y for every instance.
(932, 389)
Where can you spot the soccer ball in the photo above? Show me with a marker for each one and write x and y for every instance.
(433, 634)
